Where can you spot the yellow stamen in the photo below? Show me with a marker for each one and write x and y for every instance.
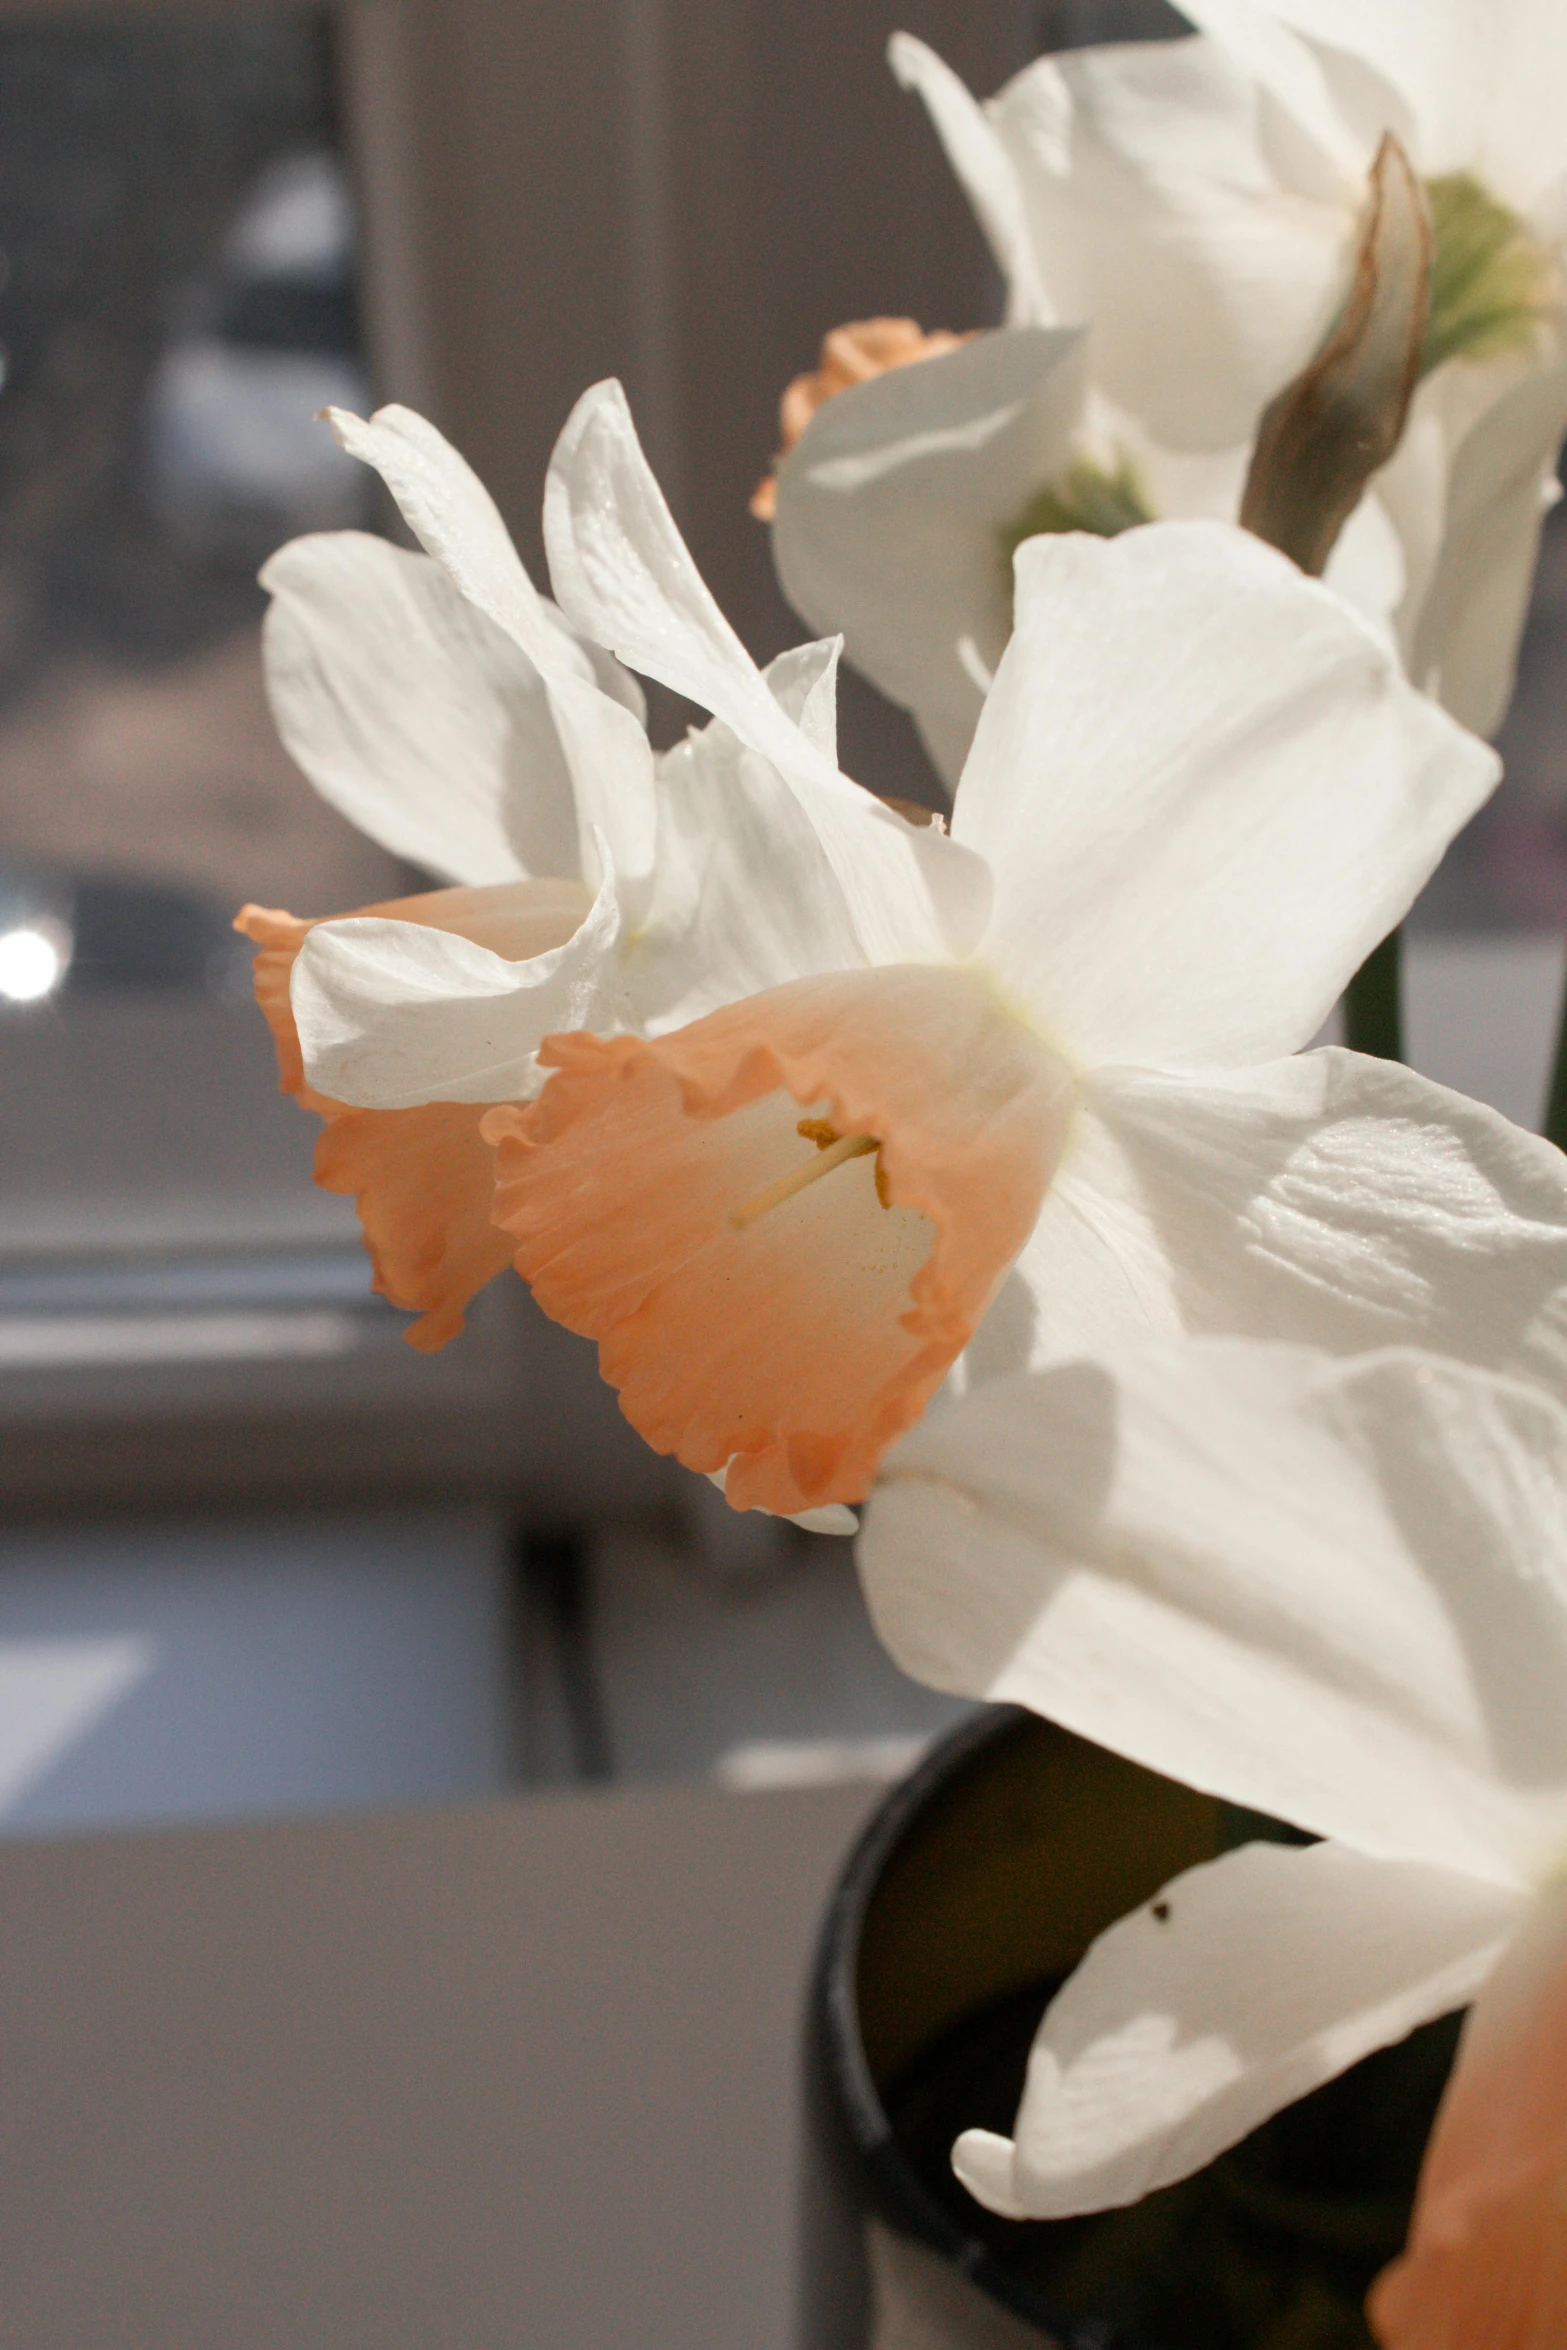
(832, 1150)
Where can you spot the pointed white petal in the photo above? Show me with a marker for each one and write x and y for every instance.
(1208, 250)
(804, 684)
(1335, 1593)
(895, 510)
(1332, 1199)
(1249, 1982)
(452, 514)
(983, 2161)
(1206, 790)
(983, 169)
(454, 518)
(413, 713)
(624, 575)
(392, 1014)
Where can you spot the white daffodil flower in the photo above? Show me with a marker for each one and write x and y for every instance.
(900, 505)
(1196, 201)
(447, 709)
(1023, 1057)
(1330, 1591)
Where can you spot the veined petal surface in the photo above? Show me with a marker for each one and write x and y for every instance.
(894, 510)
(1335, 1593)
(1182, 2030)
(1206, 790)
(394, 1014)
(624, 576)
(1331, 1199)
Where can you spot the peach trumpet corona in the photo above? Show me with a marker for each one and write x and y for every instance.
(778, 1295)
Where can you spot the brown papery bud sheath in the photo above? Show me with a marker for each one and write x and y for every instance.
(1340, 420)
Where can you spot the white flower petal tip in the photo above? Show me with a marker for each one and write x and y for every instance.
(836, 1518)
(984, 169)
(1180, 2031)
(625, 576)
(982, 2162)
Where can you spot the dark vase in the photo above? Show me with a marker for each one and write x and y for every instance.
(972, 1893)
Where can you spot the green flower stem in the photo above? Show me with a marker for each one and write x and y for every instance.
(1373, 1004)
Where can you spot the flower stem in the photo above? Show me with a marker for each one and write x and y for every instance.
(1373, 1004)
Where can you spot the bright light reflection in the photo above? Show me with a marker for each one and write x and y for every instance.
(30, 965)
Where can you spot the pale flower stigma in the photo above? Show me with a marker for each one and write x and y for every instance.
(833, 1150)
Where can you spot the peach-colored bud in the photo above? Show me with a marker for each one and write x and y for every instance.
(851, 354)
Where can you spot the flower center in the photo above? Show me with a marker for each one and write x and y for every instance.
(833, 1150)
(1491, 283)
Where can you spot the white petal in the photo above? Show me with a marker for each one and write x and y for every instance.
(1249, 1982)
(624, 575)
(1291, 72)
(894, 509)
(832, 1518)
(1519, 149)
(1482, 78)
(455, 519)
(983, 168)
(804, 684)
(1331, 1199)
(413, 714)
(392, 1014)
(744, 897)
(1208, 250)
(1206, 790)
(1464, 641)
(1335, 1593)
(1367, 566)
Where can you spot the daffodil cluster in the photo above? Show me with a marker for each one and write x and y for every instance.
(1250, 1361)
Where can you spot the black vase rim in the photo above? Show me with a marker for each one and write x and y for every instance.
(894, 2189)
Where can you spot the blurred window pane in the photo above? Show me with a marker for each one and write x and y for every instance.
(178, 303)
